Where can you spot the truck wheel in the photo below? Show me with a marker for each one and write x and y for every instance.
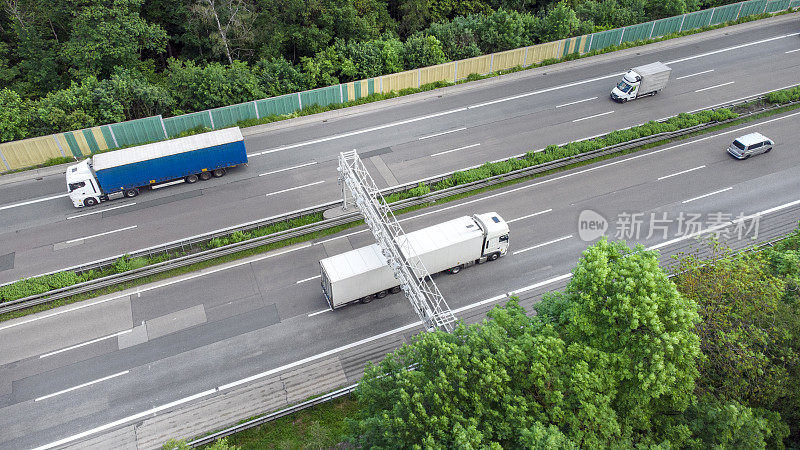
(494, 256)
(366, 299)
(205, 175)
(394, 290)
(191, 178)
(91, 201)
(131, 193)
(219, 172)
(456, 269)
(382, 294)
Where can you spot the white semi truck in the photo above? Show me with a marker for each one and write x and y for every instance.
(641, 81)
(363, 274)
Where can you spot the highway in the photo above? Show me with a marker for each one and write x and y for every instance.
(203, 334)
(292, 164)
(124, 360)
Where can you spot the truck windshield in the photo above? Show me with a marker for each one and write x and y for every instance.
(78, 185)
(624, 87)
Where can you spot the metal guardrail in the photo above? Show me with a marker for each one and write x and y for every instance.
(196, 243)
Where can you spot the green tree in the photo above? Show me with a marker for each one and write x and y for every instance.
(750, 329)
(502, 30)
(620, 304)
(230, 26)
(138, 95)
(422, 51)
(14, 116)
(82, 105)
(710, 423)
(33, 29)
(498, 384)
(459, 37)
(106, 35)
(197, 88)
(278, 76)
(560, 22)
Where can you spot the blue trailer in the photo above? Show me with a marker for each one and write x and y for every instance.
(122, 173)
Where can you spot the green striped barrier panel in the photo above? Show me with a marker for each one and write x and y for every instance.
(228, 115)
(178, 124)
(285, 104)
(322, 96)
(134, 132)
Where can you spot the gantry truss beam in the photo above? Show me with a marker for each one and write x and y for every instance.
(409, 270)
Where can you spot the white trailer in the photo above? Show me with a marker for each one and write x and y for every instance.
(363, 274)
(641, 81)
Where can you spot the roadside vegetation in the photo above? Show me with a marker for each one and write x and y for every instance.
(67, 66)
(46, 283)
(624, 357)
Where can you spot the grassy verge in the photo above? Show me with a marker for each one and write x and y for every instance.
(33, 286)
(322, 426)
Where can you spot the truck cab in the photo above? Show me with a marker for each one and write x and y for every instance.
(628, 88)
(82, 186)
(495, 231)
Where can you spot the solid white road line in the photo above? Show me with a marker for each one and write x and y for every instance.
(680, 173)
(208, 392)
(81, 385)
(728, 102)
(542, 91)
(714, 87)
(101, 234)
(695, 74)
(592, 117)
(30, 202)
(319, 312)
(357, 132)
(576, 102)
(542, 244)
(792, 51)
(455, 149)
(529, 215)
(735, 47)
(308, 279)
(101, 211)
(707, 195)
(539, 284)
(443, 133)
(84, 343)
(295, 188)
(288, 168)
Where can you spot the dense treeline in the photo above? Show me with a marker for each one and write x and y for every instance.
(623, 358)
(72, 64)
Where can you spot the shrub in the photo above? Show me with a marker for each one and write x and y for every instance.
(419, 191)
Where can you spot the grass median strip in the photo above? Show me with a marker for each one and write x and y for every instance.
(27, 287)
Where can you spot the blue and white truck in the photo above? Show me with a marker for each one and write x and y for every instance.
(123, 173)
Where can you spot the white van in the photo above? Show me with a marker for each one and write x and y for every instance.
(749, 145)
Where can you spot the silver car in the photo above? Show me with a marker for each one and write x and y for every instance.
(749, 145)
